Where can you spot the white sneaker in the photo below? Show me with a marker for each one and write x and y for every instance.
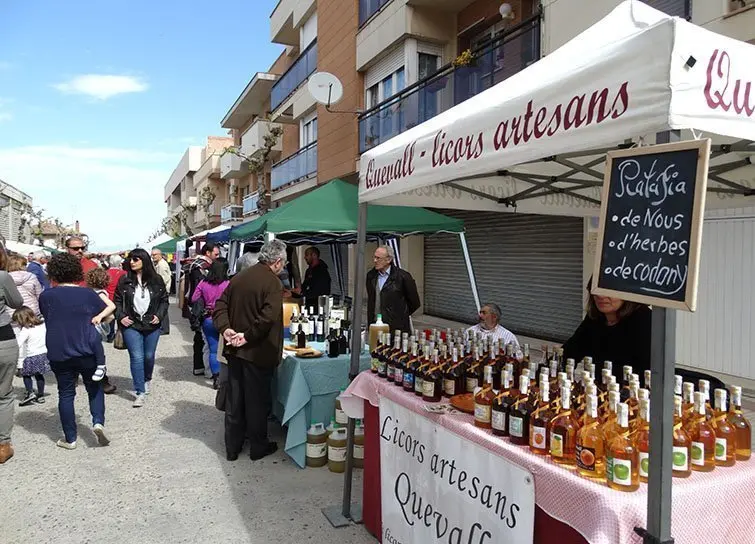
(139, 401)
(102, 438)
(66, 445)
(147, 387)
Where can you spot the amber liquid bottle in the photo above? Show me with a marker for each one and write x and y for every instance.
(726, 435)
(688, 402)
(563, 430)
(703, 437)
(591, 453)
(540, 440)
(642, 438)
(704, 387)
(611, 425)
(622, 456)
(519, 415)
(453, 377)
(473, 375)
(680, 463)
(741, 425)
(626, 378)
(502, 404)
(483, 401)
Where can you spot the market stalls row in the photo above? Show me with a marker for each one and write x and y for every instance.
(536, 143)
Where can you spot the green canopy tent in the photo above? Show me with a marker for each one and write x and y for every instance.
(170, 245)
(330, 214)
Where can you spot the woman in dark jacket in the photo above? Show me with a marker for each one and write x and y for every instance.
(141, 304)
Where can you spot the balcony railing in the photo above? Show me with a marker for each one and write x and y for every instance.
(367, 8)
(231, 212)
(298, 167)
(294, 76)
(250, 203)
(506, 55)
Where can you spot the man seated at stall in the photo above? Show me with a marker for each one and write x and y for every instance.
(489, 327)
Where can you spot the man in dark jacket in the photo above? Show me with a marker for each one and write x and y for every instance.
(316, 279)
(391, 292)
(195, 272)
(249, 315)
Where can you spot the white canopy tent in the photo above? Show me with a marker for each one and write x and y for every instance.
(536, 143)
(155, 242)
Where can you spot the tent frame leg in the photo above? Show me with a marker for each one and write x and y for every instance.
(470, 270)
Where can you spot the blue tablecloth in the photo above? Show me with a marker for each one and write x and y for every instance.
(305, 390)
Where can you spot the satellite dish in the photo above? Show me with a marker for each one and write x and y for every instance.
(325, 88)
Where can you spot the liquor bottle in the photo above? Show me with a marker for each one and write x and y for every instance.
(343, 340)
(563, 430)
(540, 441)
(392, 356)
(622, 456)
(680, 465)
(608, 365)
(626, 378)
(502, 404)
(331, 343)
(419, 374)
(519, 415)
(633, 401)
(383, 354)
(320, 326)
(374, 359)
(704, 387)
(525, 354)
(688, 399)
(648, 375)
(301, 338)
(483, 400)
(401, 360)
(678, 385)
(740, 423)
(642, 439)
(611, 424)
(703, 437)
(410, 368)
(492, 366)
(589, 366)
(569, 369)
(432, 380)
(590, 453)
(605, 379)
(510, 357)
(453, 378)
(312, 331)
(726, 435)
(473, 375)
(293, 327)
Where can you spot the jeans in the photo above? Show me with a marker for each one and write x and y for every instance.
(67, 373)
(212, 336)
(29, 385)
(141, 348)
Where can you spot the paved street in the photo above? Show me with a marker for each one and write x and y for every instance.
(164, 478)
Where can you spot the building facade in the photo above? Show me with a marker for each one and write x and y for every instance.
(15, 206)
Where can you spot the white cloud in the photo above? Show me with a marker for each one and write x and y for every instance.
(115, 193)
(101, 86)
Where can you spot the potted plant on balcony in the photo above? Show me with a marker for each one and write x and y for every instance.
(465, 59)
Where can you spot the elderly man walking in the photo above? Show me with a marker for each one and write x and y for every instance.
(37, 267)
(163, 270)
(391, 292)
(249, 315)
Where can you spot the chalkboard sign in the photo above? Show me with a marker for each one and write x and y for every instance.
(651, 219)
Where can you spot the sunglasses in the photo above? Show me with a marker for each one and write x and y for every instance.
(77, 248)
(135, 259)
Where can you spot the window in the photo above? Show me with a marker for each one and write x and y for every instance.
(427, 65)
(308, 130)
(389, 86)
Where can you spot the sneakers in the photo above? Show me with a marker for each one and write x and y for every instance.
(40, 400)
(99, 373)
(28, 398)
(6, 452)
(147, 387)
(66, 445)
(99, 431)
(139, 401)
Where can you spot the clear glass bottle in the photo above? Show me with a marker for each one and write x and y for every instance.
(740, 423)
(590, 448)
(682, 443)
(563, 430)
(622, 456)
(726, 435)
(703, 438)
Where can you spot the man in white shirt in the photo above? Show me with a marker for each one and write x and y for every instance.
(490, 328)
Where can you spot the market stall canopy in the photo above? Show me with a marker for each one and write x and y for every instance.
(25, 249)
(202, 236)
(219, 236)
(330, 212)
(536, 142)
(170, 245)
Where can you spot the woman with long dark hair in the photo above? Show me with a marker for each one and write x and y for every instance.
(141, 304)
(208, 291)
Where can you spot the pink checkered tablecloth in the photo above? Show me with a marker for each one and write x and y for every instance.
(707, 507)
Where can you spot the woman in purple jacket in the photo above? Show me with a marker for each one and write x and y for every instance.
(208, 291)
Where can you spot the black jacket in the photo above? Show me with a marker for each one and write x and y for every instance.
(398, 299)
(124, 303)
(316, 282)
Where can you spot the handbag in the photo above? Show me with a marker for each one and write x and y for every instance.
(118, 342)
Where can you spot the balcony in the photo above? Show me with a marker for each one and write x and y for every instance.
(300, 166)
(249, 204)
(294, 77)
(282, 29)
(209, 218)
(231, 213)
(253, 140)
(233, 166)
(210, 169)
(367, 8)
(251, 102)
(505, 56)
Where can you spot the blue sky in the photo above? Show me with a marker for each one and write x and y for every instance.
(99, 99)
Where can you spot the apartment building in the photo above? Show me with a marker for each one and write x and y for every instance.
(14, 207)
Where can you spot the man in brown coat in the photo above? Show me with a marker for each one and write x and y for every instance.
(249, 315)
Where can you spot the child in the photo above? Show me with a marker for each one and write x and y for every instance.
(98, 279)
(32, 353)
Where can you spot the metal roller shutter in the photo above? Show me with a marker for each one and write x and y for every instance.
(385, 66)
(530, 265)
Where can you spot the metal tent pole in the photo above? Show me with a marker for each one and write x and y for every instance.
(348, 512)
(470, 272)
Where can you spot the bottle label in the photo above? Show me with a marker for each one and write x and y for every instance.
(374, 363)
(499, 420)
(428, 388)
(681, 458)
(621, 471)
(537, 437)
(337, 454)
(391, 369)
(471, 385)
(358, 451)
(418, 387)
(341, 417)
(720, 449)
(482, 412)
(398, 375)
(557, 445)
(698, 454)
(644, 464)
(320, 328)
(408, 380)
(516, 425)
(381, 367)
(449, 387)
(317, 451)
(585, 457)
